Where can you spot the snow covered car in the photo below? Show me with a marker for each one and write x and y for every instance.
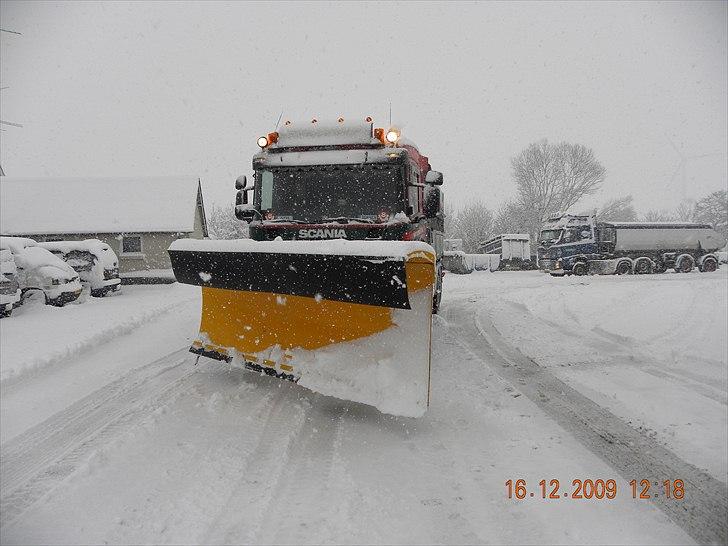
(93, 260)
(9, 288)
(38, 269)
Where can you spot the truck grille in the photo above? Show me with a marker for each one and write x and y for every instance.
(111, 274)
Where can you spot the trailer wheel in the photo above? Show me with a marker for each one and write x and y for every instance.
(579, 269)
(643, 267)
(709, 265)
(623, 268)
(685, 265)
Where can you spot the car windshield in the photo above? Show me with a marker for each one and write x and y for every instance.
(317, 193)
(80, 260)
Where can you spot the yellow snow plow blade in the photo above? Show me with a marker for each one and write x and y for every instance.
(347, 319)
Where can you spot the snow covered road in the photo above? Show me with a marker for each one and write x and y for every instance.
(126, 441)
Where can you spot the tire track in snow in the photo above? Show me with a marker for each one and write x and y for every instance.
(633, 455)
(207, 475)
(617, 345)
(306, 478)
(34, 463)
(249, 499)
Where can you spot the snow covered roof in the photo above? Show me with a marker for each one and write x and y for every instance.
(97, 205)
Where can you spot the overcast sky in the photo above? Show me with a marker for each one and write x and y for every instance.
(159, 89)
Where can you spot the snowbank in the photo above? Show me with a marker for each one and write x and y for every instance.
(64, 333)
(651, 348)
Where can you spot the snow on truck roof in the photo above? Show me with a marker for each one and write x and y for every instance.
(325, 133)
(97, 205)
(305, 143)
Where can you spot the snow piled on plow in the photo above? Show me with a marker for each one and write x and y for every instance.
(389, 370)
(342, 247)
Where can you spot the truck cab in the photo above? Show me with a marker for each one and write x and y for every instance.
(342, 180)
(565, 238)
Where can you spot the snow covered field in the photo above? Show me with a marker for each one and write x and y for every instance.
(111, 434)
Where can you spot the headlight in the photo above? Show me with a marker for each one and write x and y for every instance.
(392, 136)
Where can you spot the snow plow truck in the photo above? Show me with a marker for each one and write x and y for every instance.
(336, 287)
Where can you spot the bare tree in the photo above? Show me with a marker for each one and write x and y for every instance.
(552, 178)
(512, 217)
(473, 224)
(661, 215)
(620, 209)
(685, 211)
(713, 209)
(222, 224)
(451, 221)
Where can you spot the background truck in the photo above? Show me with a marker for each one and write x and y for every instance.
(580, 245)
(513, 250)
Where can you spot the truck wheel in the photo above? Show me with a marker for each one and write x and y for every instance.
(643, 267)
(579, 269)
(709, 265)
(685, 266)
(623, 268)
(6, 311)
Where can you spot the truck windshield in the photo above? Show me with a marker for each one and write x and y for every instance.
(315, 193)
(549, 236)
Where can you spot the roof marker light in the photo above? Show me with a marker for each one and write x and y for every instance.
(288, 122)
(379, 135)
(368, 119)
(314, 120)
(341, 120)
(272, 137)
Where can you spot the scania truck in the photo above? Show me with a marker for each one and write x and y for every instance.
(578, 245)
(336, 287)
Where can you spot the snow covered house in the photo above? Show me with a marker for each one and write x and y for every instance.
(138, 217)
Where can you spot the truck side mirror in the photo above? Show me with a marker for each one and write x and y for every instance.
(247, 215)
(432, 202)
(434, 178)
(242, 210)
(240, 182)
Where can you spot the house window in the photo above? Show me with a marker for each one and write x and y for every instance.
(131, 244)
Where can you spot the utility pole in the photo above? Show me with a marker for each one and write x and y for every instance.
(2, 122)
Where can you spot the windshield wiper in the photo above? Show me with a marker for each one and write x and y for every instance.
(284, 221)
(344, 219)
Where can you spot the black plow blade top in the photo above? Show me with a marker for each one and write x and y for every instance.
(354, 279)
